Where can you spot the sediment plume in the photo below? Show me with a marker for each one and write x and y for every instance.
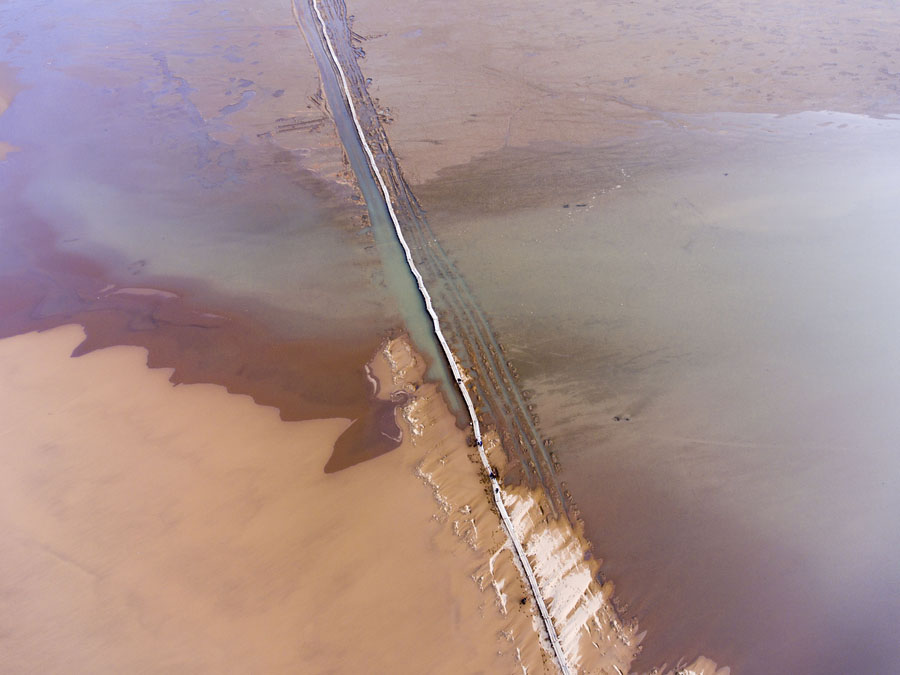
(203, 336)
(147, 525)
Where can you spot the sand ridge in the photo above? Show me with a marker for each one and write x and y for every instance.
(593, 636)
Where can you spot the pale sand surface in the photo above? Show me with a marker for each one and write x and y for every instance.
(465, 78)
(150, 528)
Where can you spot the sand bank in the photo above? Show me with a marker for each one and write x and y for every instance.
(156, 527)
(152, 527)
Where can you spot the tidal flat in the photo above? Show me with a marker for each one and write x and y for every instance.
(680, 220)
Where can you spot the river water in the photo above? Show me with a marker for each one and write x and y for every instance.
(706, 315)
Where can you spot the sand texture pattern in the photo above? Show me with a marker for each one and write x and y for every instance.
(458, 80)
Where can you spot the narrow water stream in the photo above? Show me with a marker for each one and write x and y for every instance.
(400, 282)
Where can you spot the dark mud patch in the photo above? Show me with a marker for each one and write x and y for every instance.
(210, 341)
(370, 436)
(521, 178)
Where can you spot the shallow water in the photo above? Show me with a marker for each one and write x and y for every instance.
(185, 148)
(704, 312)
(153, 137)
(395, 268)
(708, 324)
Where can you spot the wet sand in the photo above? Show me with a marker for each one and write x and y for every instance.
(155, 527)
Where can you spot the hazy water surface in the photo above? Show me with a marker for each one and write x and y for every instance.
(711, 334)
(159, 136)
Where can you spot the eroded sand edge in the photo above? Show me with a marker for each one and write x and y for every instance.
(155, 526)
